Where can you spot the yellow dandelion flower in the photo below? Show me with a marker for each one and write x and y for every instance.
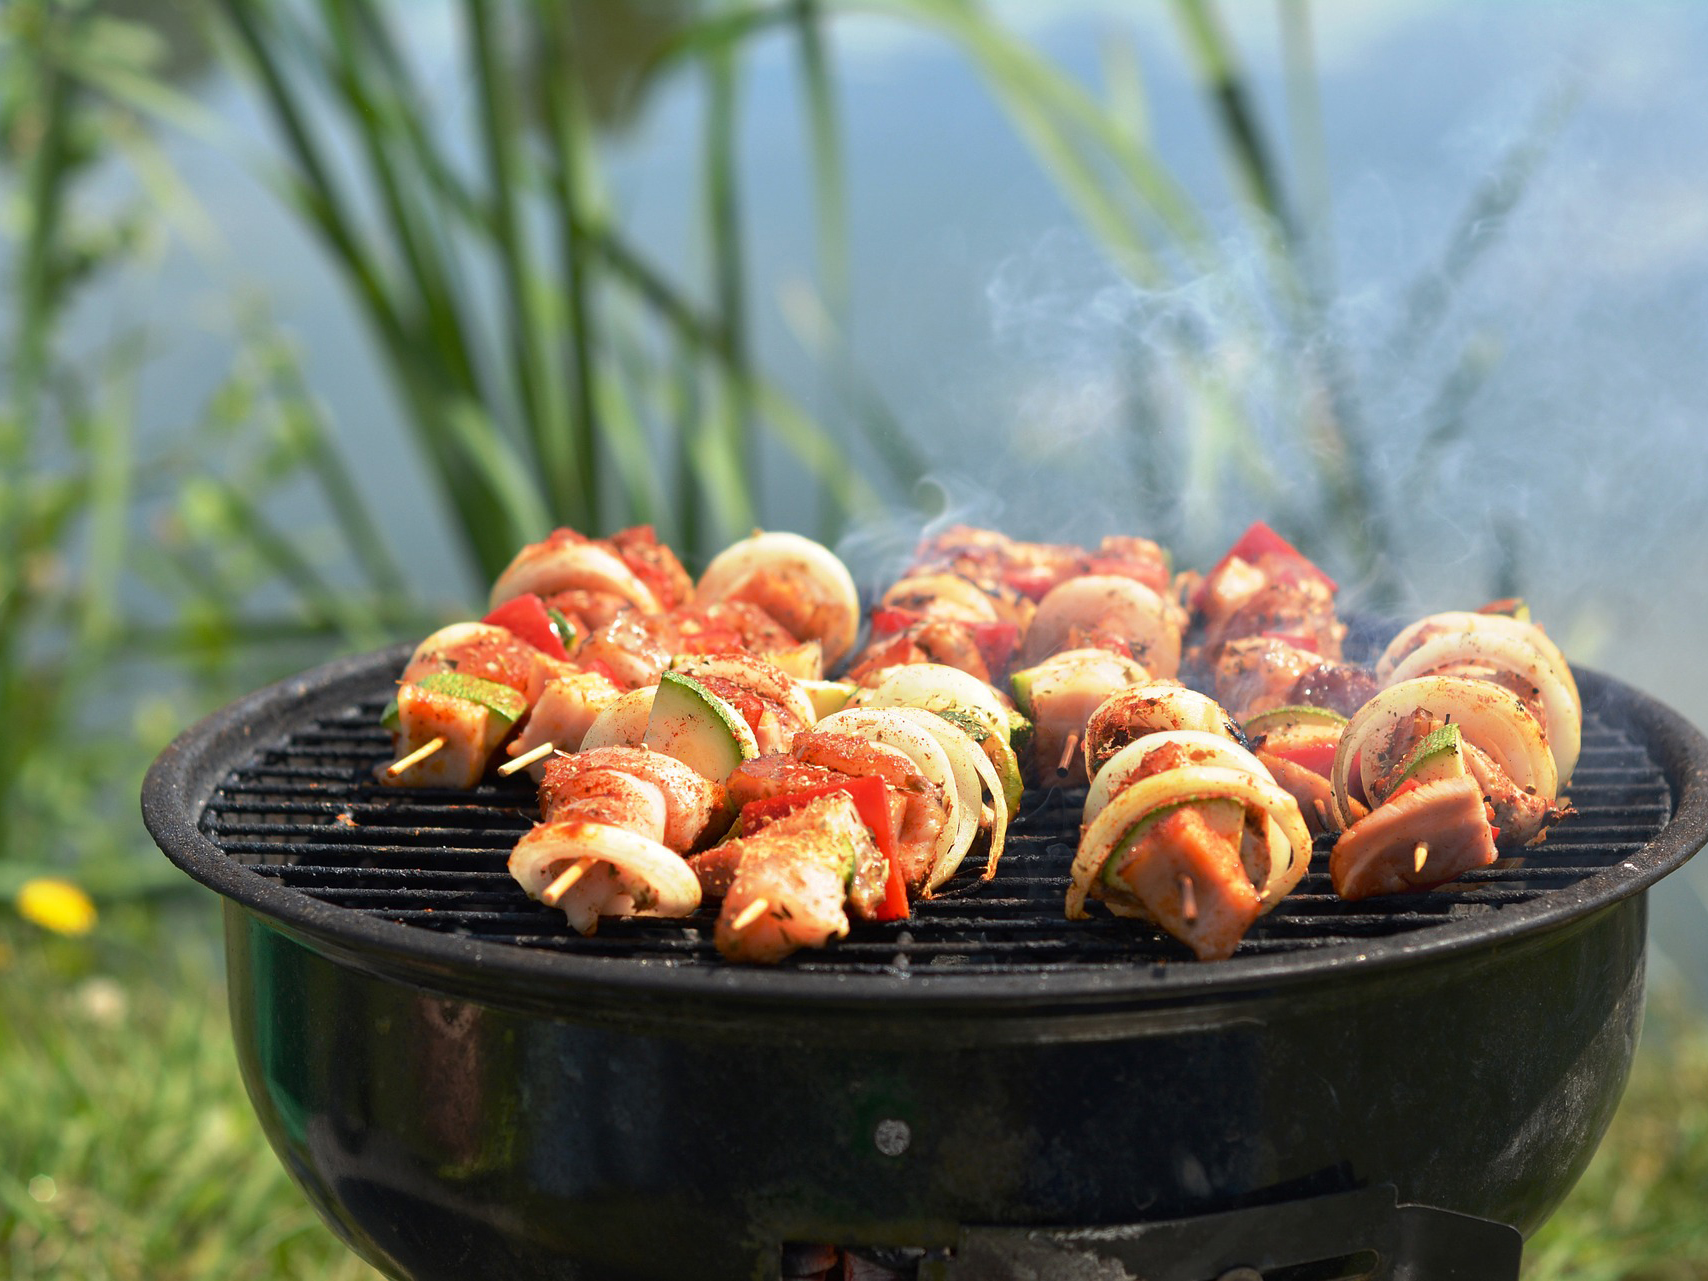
(56, 905)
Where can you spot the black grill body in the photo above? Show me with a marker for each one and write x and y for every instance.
(466, 1088)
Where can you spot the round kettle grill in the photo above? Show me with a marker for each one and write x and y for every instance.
(464, 1087)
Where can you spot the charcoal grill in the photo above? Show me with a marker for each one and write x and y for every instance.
(464, 1087)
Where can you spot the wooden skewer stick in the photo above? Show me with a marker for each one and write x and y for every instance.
(749, 914)
(526, 759)
(1322, 813)
(416, 757)
(1188, 900)
(566, 881)
(1419, 856)
(1067, 755)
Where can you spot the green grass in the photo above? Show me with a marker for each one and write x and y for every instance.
(129, 1149)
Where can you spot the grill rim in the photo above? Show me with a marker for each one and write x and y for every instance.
(183, 779)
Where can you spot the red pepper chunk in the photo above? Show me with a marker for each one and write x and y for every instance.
(1260, 540)
(872, 804)
(525, 617)
(1316, 757)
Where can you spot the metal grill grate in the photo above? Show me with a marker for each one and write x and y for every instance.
(306, 811)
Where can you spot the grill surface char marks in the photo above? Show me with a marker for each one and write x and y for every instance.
(306, 811)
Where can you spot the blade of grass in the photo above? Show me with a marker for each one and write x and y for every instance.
(321, 200)
(372, 107)
(534, 369)
(1309, 146)
(1248, 150)
(303, 414)
(1480, 227)
(489, 452)
(825, 135)
(567, 129)
(724, 243)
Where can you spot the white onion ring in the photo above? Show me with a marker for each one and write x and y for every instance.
(1518, 654)
(647, 869)
(1199, 783)
(1464, 620)
(937, 687)
(1202, 746)
(967, 756)
(882, 725)
(623, 722)
(567, 566)
(1489, 716)
(789, 562)
(1105, 602)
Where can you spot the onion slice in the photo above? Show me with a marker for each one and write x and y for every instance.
(1203, 747)
(1198, 783)
(798, 582)
(937, 687)
(1464, 621)
(983, 787)
(1107, 603)
(886, 727)
(1517, 653)
(639, 877)
(1490, 716)
(567, 566)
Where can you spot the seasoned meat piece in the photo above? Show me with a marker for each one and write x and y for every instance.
(609, 796)
(1189, 845)
(1340, 687)
(917, 806)
(1379, 853)
(774, 774)
(654, 564)
(692, 804)
(1258, 673)
(791, 881)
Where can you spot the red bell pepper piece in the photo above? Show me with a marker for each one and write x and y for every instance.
(1316, 757)
(1260, 540)
(1031, 581)
(996, 643)
(887, 620)
(525, 617)
(872, 803)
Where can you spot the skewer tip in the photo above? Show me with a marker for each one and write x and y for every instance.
(565, 881)
(749, 914)
(527, 758)
(1188, 900)
(1419, 856)
(416, 757)
(1067, 755)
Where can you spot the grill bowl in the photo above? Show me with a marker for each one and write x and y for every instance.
(466, 1088)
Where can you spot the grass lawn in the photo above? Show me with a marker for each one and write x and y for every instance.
(128, 1149)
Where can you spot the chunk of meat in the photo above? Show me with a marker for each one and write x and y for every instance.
(917, 805)
(612, 797)
(1341, 687)
(1186, 874)
(694, 807)
(1522, 816)
(653, 563)
(791, 882)
(1379, 853)
(1259, 673)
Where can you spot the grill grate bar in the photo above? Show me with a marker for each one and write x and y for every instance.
(308, 813)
